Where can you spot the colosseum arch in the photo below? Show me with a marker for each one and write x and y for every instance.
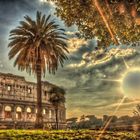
(29, 110)
(18, 113)
(8, 112)
(29, 113)
(44, 111)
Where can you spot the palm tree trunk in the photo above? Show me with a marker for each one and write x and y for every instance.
(56, 117)
(39, 117)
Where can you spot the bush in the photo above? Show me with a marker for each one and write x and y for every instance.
(64, 135)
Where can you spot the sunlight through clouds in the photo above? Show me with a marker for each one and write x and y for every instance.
(101, 57)
(75, 43)
(79, 65)
(48, 2)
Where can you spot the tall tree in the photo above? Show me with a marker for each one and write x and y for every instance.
(57, 98)
(111, 21)
(38, 45)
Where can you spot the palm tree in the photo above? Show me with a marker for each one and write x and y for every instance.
(38, 45)
(57, 98)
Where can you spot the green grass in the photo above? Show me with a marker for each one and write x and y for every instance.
(65, 135)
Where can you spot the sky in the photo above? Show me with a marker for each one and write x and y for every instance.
(92, 79)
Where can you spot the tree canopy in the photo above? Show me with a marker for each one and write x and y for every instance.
(110, 21)
(38, 40)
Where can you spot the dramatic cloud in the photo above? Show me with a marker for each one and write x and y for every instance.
(101, 57)
(74, 44)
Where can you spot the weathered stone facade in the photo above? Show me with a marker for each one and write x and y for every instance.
(18, 103)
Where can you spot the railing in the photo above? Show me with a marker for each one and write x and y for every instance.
(16, 97)
(7, 95)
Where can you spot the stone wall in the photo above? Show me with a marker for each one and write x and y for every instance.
(18, 103)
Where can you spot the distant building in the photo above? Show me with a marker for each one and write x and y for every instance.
(127, 123)
(18, 103)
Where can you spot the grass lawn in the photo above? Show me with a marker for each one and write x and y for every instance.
(65, 135)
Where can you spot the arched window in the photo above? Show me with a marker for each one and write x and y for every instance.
(35, 110)
(50, 114)
(9, 88)
(28, 110)
(8, 112)
(8, 108)
(29, 113)
(19, 113)
(44, 111)
(19, 109)
(29, 90)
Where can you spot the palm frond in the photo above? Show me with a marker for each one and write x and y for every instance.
(38, 39)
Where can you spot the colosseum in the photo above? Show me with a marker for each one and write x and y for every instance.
(18, 103)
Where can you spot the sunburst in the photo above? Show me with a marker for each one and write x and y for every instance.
(123, 75)
(126, 65)
(119, 80)
(128, 70)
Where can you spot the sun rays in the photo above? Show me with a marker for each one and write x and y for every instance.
(112, 80)
(119, 80)
(108, 122)
(103, 16)
(126, 65)
(122, 75)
